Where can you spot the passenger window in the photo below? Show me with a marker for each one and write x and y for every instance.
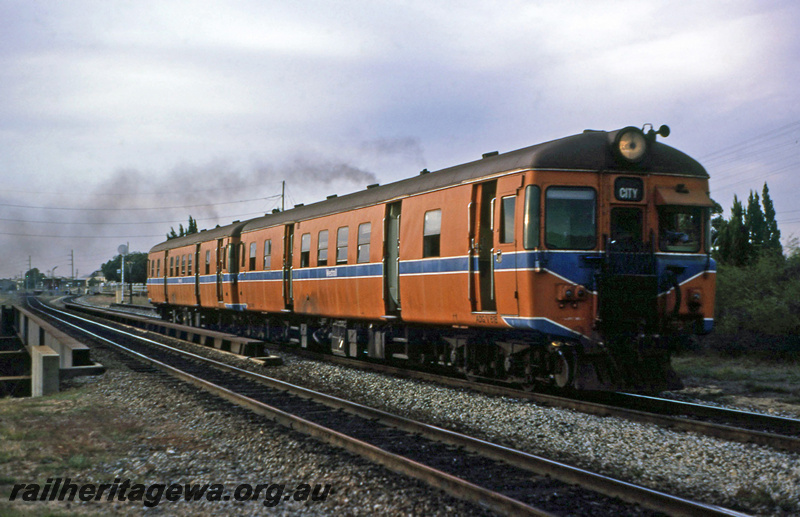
(267, 255)
(507, 207)
(570, 218)
(231, 260)
(305, 249)
(183, 265)
(171, 266)
(252, 256)
(189, 265)
(208, 262)
(341, 245)
(241, 254)
(364, 231)
(679, 228)
(431, 235)
(322, 248)
(531, 224)
(158, 268)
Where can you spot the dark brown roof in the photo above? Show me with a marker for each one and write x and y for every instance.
(588, 151)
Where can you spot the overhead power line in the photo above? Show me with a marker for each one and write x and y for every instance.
(137, 223)
(118, 209)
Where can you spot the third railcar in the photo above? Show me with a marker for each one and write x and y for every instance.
(578, 262)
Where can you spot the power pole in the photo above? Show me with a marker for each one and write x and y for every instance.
(283, 192)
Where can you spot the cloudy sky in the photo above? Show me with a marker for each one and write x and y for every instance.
(119, 119)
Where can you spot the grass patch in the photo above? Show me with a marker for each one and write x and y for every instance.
(65, 434)
(736, 369)
(78, 461)
(10, 511)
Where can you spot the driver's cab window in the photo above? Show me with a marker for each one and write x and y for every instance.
(626, 227)
(679, 228)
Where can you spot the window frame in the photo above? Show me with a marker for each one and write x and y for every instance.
(531, 226)
(507, 235)
(547, 212)
(431, 242)
(342, 249)
(322, 246)
(362, 255)
(690, 210)
(305, 250)
(252, 256)
(267, 254)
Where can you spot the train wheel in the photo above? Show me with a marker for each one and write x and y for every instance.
(564, 368)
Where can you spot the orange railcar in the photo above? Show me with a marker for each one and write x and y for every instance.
(577, 262)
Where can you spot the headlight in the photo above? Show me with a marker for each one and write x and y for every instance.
(631, 144)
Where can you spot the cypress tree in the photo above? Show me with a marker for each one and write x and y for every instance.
(739, 252)
(772, 235)
(755, 223)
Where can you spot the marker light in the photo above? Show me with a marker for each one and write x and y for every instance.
(631, 144)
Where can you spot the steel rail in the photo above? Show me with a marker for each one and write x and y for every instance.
(658, 411)
(453, 485)
(606, 485)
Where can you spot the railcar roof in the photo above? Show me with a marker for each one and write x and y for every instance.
(206, 235)
(588, 151)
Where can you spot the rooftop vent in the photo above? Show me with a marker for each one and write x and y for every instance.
(298, 205)
(424, 171)
(489, 155)
(373, 185)
(331, 196)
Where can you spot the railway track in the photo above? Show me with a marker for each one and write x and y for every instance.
(503, 479)
(723, 423)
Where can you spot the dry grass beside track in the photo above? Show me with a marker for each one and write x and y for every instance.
(62, 435)
(765, 385)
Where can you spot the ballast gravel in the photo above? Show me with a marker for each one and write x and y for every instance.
(197, 439)
(751, 478)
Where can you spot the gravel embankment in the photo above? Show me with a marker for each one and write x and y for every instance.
(192, 438)
(749, 477)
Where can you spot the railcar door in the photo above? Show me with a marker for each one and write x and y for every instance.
(288, 245)
(507, 211)
(197, 274)
(391, 259)
(166, 277)
(220, 267)
(481, 247)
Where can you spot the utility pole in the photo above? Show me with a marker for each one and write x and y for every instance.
(283, 192)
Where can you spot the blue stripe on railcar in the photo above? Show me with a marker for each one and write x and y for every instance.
(349, 271)
(261, 276)
(434, 265)
(543, 325)
(578, 267)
